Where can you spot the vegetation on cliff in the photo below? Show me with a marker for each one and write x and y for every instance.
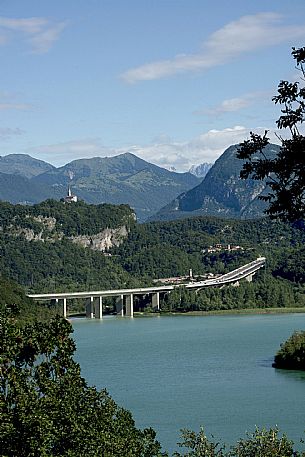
(53, 218)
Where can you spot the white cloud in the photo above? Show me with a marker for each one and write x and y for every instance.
(15, 106)
(61, 153)
(10, 101)
(43, 41)
(206, 147)
(226, 44)
(7, 132)
(40, 32)
(234, 104)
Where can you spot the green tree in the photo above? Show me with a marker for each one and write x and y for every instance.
(47, 408)
(291, 355)
(285, 171)
(261, 443)
(198, 445)
(264, 443)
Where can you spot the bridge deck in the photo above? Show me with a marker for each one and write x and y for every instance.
(101, 293)
(232, 276)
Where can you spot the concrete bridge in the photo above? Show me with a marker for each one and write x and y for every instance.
(125, 297)
(94, 299)
(233, 277)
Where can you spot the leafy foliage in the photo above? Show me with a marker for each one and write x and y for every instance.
(47, 408)
(262, 293)
(69, 219)
(292, 353)
(61, 265)
(12, 295)
(198, 445)
(285, 172)
(261, 443)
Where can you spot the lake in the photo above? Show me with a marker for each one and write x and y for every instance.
(177, 372)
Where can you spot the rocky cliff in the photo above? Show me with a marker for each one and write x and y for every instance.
(221, 193)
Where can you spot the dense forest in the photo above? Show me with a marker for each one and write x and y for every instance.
(61, 265)
(166, 249)
(71, 220)
(151, 251)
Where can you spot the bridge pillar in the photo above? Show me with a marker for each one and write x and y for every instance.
(250, 277)
(155, 301)
(119, 305)
(98, 305)
(89, 307)
(64, 305)
(129, 305)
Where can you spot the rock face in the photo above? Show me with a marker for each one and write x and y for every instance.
(200, 170)
(221, 193)
(102, 241)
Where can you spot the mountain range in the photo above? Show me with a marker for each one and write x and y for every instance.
(221, 193)
(153, 192)
(121, 179)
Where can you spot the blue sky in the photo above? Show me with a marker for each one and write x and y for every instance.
(173, 81)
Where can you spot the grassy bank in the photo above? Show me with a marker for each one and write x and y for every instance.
(227, 311)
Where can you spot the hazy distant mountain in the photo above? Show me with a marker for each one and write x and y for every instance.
(200, 170)
(121, 179)
(18, 189)
(23, 165)
(221, 192)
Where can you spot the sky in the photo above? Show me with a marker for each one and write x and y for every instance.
(173, 81)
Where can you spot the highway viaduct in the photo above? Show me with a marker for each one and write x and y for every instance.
(125, 297)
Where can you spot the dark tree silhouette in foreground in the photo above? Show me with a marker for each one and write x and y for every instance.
(284, 173)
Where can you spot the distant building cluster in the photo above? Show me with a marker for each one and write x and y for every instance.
(184, 279)
(222, 247)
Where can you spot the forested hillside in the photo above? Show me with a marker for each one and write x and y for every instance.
(166, 249)
(54, 218)
(40, 250)
(14, 299)
(36, 248)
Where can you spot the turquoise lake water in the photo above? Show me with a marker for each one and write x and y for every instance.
(187, 371)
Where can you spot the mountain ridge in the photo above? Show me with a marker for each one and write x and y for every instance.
(122, 179)
(221, 193)
(23, 165)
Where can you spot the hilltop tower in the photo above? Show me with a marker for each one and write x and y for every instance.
(70, 197)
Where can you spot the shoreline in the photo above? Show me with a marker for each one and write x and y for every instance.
(244, 311)
(225, 311)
